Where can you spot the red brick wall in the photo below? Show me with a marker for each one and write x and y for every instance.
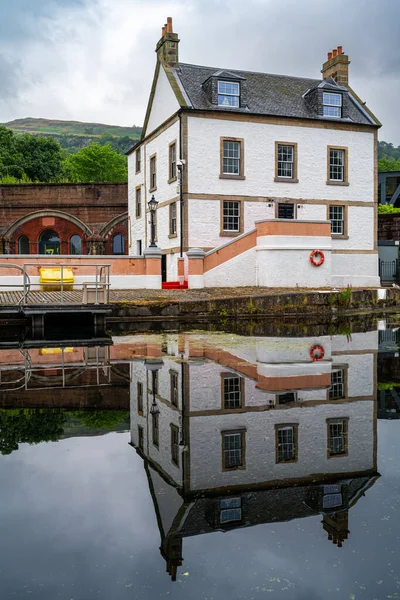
(96, 205)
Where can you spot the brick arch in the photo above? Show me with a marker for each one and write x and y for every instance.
(118, 225)
(43, 214)
(115, 221)
(36, 225)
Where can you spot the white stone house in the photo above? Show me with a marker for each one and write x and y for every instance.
(223, 150)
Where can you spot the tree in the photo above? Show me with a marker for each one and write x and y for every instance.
(30, 426)
(96, 164)
(41, 158)
(101, 419)
(388, 164)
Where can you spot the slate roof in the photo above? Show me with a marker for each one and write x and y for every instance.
(277, 95)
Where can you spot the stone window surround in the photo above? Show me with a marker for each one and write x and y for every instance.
(138, 163)
(346, 166)
(171, 233)
(293, 179)
(153, 161)
(243, 432)
(346, 436)
(171, 178)
(295, 427)
(345, 368)
(174, 431)
(345, 235)
(138, 214)
(223, 175)
(223, 233)
(226, 375)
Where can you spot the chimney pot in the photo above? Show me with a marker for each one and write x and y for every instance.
(329, 55)
(334, 52)
(340, 49)
(163, 31)
(169, 25)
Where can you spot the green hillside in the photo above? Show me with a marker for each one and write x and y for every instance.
(74, 135)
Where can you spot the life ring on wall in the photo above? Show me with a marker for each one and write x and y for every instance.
(317, 353)
(317, 263)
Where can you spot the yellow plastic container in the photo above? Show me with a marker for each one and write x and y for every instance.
(50, 278)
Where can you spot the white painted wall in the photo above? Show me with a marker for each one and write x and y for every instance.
(358, 270)
(165, 191)
(206, 444)
(240, 271)
(259, 151)
(164, 105)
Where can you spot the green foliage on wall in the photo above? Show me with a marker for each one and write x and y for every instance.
(386, 209)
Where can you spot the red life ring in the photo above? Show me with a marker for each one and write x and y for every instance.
(317, 263)
(317, 353)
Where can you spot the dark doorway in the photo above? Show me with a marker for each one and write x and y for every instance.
(164, 267)
(285, 211)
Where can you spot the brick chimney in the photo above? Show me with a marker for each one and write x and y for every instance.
(167, 47)
(337, 66)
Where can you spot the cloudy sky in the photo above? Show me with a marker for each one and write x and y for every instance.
(93, 60)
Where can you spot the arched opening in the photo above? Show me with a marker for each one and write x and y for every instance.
(23, 245)
(75, 245)
(118, 244)
(49, 242)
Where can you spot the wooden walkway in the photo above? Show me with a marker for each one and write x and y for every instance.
(15, 298)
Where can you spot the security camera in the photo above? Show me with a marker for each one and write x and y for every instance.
(181, 163)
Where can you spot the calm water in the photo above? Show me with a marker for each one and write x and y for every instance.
(204, 466)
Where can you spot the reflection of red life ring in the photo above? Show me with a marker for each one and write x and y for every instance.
(317, 263)
(317, 353)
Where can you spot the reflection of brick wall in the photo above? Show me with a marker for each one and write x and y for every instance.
(389, 227)
(98, 206)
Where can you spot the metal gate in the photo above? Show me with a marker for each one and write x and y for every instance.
(389, 271)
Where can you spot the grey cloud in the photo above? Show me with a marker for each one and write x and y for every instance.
(288, 37)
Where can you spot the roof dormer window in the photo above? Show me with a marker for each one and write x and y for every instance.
(228, 93)
(332, 104)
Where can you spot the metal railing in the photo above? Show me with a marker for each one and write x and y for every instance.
(97, 289)
(389, 271)
(25, 285)
(68, 373)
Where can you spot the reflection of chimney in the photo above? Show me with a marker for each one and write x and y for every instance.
(336, 525)
(337, 66)
(171, 550)
(167, 47)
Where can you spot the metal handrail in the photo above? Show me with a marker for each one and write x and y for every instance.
(26, 284)
(102, 278)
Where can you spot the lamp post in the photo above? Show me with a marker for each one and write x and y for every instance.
(152, 204)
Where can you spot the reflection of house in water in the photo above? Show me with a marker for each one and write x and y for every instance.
(237, 431)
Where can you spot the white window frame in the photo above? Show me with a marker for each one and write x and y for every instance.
(285, 164)
(232, 397)
(333, 108)
(227, 206)
(236, 164)
(337, 224)
(227, 95)
(337, 389)
(283, 454)
(335, 156)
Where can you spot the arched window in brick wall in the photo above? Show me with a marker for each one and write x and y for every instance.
(75, 245)
(49, 242)
(23, 245)
(118, 244)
